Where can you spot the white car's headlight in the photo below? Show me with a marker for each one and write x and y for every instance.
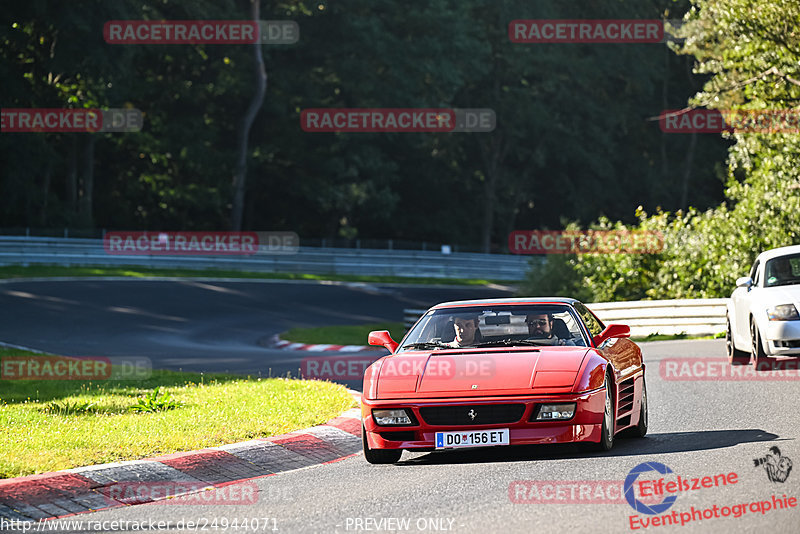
(783, 312)
(391, 417)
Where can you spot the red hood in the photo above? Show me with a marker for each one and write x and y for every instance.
(480, 372)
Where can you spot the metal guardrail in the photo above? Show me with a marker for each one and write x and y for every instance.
(22, 250)
(694, 317)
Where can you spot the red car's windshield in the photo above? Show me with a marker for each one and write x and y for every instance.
(486, 326)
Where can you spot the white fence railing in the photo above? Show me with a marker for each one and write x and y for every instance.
(693, 317)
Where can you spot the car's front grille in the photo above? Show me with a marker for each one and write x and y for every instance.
(478, 414)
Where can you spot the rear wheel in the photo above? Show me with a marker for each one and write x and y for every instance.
(759, 357)
(735, 356)
(379, 456)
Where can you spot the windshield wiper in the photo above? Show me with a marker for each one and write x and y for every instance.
(508, 343)
(428, 345)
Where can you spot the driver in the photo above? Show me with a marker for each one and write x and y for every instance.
(466, 328)
(781, 271)
(540, 327)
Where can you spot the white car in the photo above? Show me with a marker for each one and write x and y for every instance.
(764, 310)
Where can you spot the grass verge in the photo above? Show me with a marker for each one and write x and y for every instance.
(39, 271)
(48, 425)
(342, 335)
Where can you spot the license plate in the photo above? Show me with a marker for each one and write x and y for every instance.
(472, 438)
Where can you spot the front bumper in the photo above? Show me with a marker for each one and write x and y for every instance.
(585, 425)
(782, 338)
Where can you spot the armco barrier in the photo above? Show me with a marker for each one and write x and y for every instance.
(694, 317)
(433, 264)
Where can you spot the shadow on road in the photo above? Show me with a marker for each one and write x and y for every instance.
(669, 442)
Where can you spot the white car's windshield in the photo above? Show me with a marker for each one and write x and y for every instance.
(488, 326)
(782, 271)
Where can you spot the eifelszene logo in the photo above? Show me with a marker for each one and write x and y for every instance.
(636, 504)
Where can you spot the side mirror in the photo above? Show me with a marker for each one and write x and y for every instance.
(382, 338)
(612, 330)
(744, 281)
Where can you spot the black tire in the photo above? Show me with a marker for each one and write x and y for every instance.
(735, 356)
(609, 415)
(640, 430)
(379, 456)
(759, 357)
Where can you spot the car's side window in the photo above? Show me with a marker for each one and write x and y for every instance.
(594, 326)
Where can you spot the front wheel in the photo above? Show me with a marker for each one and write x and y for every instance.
(640, 430)
(379, 456)
(735, 356)
(759, 357)
(607, 433)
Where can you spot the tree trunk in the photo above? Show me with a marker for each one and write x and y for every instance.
(664, 105)
(240, 174)
(72, 177)
(86, 213)
(48, 174)
(493, 156)
(687, 173)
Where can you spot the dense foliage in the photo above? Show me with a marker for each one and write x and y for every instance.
(751, 49)
(575, 136)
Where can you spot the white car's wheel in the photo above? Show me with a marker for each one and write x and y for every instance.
(735, 356)
(758, 356)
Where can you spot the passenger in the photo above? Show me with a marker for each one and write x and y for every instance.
(540, 327)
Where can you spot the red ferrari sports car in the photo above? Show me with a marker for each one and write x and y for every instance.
(503, 372)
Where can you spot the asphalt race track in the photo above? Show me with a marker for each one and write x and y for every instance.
(698, 428)
(200, 325)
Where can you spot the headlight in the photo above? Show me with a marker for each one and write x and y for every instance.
(391, 417)
(556, 412)
(783, 312)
